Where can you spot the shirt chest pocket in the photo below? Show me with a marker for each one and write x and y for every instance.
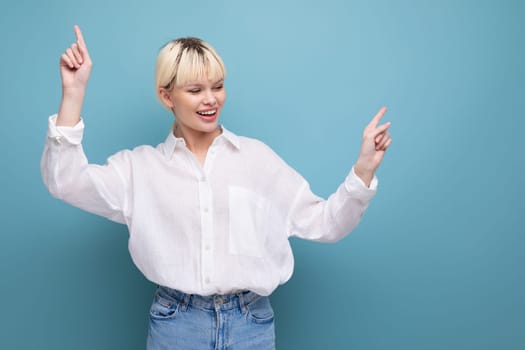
(249, 215)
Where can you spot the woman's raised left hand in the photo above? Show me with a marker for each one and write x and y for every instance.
(376, 141)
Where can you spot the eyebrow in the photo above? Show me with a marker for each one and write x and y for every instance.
(191, 84)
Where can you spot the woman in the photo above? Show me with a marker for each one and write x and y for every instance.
(209, 212)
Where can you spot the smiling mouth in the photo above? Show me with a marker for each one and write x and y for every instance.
(208, 113)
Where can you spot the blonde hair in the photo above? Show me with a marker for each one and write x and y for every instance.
(187, 59)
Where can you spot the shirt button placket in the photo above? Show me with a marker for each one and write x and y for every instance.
(206, 230)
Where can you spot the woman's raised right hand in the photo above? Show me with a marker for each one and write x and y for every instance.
(75, 65)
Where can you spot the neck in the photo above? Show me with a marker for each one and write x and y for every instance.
(198, 142)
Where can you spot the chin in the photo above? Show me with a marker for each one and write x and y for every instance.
(208, 124)
(208, 127)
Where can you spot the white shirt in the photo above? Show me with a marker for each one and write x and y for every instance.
(204, 230)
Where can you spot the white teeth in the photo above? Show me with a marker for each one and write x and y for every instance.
(208, 112)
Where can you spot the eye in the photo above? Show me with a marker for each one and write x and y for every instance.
(194, 91)
(218, 87)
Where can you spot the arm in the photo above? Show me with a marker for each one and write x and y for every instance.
(75, 69)
(311, 217)
(98, 189)
(64, 167)
(314, 218)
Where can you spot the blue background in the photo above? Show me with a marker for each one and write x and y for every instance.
(437, 262)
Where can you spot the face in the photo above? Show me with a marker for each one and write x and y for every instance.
(197, 105)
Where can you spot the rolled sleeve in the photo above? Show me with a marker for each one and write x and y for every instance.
(357, 187)
(314, 218)
(69, 134)
(67, 174)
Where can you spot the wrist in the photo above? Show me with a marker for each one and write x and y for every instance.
(70, 107)
(365, 174)
(73, 93)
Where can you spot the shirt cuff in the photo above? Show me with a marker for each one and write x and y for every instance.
(69, 134)
(357, 187)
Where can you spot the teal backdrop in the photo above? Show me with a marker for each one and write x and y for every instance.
(438, 260)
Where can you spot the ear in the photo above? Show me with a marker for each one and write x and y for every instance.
(165, 97)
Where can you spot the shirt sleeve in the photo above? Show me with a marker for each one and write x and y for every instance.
(314, 218)
(98, 189)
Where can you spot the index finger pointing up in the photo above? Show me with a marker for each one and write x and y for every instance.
(80, 38)
(377, 117)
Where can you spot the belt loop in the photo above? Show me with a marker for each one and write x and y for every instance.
(184, 302)
(244, 309)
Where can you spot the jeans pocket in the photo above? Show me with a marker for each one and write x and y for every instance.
(260, 310)
(164, 307)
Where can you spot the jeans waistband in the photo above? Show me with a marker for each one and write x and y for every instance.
(212, 302)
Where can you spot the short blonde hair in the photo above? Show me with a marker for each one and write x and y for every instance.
(187, 59)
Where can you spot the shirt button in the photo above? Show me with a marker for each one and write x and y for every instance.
(58, 139)
(207, 247)
(207, 280)
(206, 210)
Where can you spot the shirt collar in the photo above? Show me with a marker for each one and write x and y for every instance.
(173, 142)
(231, 137)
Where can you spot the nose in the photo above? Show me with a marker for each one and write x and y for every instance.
(209, 98)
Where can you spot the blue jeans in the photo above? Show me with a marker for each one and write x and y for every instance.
(234, 322)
